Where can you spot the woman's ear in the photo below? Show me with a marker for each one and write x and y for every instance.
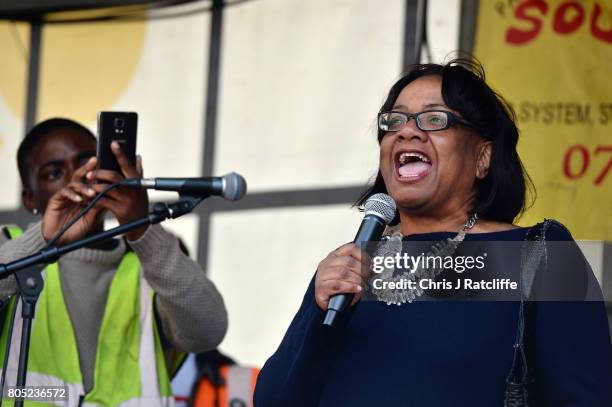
(483, 159)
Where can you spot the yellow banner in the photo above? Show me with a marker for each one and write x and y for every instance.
(552, 60)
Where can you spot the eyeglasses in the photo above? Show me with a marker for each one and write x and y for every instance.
(430, 120)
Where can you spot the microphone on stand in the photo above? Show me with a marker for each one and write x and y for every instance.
(379, 212)
(231, 186)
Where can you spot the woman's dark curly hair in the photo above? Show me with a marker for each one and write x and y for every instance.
(501, 195)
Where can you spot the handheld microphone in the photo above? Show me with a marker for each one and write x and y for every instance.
(379, 212)
(231, 186)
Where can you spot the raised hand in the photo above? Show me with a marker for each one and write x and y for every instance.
(66, 203)
(127, 204)
(343, 271)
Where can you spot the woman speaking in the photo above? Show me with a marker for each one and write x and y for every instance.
(448, 159)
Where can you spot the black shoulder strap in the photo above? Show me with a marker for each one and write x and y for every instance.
(533, 258)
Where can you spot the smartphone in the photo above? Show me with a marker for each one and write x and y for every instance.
(120, 127)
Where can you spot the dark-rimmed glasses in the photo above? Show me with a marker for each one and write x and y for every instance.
(430, 120)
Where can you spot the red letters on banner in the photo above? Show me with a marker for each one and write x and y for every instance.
(562, 26)
(518, 37)
(597, 32)
(585, 159)
(568, 17)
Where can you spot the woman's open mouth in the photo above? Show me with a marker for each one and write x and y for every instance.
(412, 165)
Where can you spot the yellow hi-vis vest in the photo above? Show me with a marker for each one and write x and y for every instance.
(130, 369)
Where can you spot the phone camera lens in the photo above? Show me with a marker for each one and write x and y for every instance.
(119, 123)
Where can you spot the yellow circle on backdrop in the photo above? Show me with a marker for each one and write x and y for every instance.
(85, 67)
(14, 40)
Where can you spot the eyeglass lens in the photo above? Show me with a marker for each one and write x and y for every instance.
(427, 121)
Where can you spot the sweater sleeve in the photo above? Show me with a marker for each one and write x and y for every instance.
(573, 349)
(190, 309)
(295, 374)
(30, 242)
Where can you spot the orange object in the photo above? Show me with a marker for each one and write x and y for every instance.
(236, 391)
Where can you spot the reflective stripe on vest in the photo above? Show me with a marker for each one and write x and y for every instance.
(236, 392)
(130, 369)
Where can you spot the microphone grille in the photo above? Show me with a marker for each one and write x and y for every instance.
(235, 186)
(381, 205)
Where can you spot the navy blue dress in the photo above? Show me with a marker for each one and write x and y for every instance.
(442, 353)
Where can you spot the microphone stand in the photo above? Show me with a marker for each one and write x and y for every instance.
(28, 270)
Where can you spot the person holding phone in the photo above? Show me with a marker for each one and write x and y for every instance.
(114, 320)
